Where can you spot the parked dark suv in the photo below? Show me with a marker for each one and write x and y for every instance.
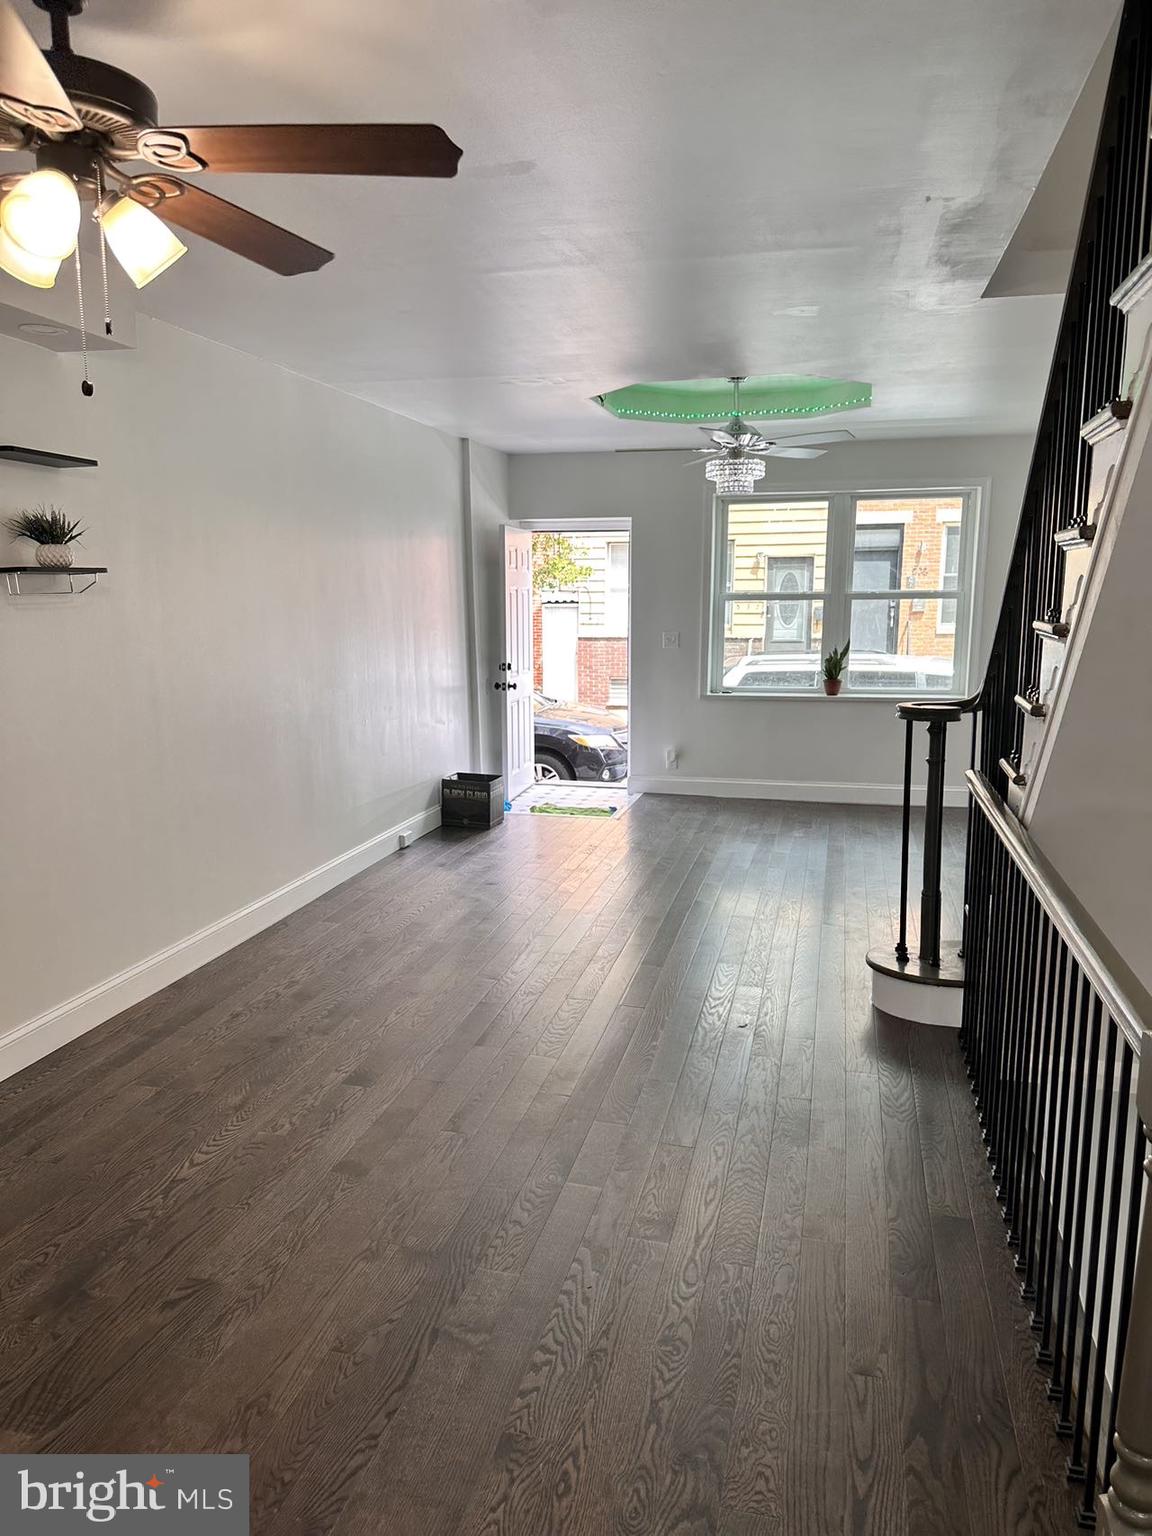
(575, 742)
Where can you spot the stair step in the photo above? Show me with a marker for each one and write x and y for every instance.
(1055, 631)
(1015, 777)
(1033, 709)
(1110, 420)
(1075, 536)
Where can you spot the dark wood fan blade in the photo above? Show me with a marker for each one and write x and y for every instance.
(202, 213)
(323, 149)
(29, 91)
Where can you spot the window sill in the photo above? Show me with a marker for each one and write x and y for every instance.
(818, 696)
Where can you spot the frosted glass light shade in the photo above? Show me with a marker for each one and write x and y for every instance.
(735, 477)
(41, 215)
(36, 271)
(142, 244)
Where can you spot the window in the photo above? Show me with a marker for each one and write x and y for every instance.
(617, 691)
(616, 589)
(949, 579)
(797, 576)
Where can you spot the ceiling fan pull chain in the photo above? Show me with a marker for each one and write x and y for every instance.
(86, 384)
(103, 247)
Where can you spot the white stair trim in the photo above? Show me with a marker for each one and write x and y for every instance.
(1108, 518)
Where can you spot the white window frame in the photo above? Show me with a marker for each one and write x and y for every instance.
(837, 595)
(616, 597)
(943, 625)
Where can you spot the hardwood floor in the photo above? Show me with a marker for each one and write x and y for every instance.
(558, 1179)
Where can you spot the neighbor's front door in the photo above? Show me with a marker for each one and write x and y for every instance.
(788, 624)
(515, 679)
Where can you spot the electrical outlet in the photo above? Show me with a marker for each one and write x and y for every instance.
(405, 839)
(671, 757)
(670, 639)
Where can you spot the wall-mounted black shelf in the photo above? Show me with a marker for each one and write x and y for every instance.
(12, 575)
(45, 458)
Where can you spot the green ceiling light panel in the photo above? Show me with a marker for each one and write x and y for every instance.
(707, 400)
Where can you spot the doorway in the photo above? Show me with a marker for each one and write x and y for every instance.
(787, 620)
(876, 565)
(581, 616)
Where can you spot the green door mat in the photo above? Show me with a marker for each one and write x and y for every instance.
(573, 810)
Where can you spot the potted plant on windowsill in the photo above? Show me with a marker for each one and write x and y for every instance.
(833, 667)
(52, 533)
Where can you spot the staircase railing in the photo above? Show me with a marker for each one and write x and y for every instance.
(1053, 1047)
(1085, 378)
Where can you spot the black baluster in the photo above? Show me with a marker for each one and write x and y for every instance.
(1018, 944)
(930, 899)
(1059, 1074)
(1096, 1452)
(1136, 1152)
(1006, 1133)
(905, 835)
(1039, 1071)
(993, 1009)
(1078, 1023)
(1066, 1424)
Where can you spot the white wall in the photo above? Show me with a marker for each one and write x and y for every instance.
(846, 749)
(274, 671)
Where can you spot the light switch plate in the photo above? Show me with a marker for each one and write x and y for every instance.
(670, 639)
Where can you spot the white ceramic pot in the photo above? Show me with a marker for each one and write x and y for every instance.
(54, 557)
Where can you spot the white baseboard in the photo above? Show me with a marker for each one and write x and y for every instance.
(783, 789)
(38, 1037)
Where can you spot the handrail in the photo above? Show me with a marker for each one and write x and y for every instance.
(1044, 881)
(925, 709)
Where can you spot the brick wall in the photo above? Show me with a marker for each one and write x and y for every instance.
(537, 646)
(599, 662)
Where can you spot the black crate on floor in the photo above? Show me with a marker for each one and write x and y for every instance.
(472, 800)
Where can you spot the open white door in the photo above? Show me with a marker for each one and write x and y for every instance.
(515, 681)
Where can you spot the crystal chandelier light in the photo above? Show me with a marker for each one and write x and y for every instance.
(734, 476)
(736, 469)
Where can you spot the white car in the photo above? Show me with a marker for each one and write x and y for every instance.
(867, 672)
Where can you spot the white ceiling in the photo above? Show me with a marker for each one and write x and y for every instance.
(650, 190)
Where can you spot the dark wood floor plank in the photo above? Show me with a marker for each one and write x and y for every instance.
(989, 1454)
(816, 1473)
(754, 1483)
(911, 1255)
(868, 1303)
(934, 1490)
(877, 1505)
(943, 1172)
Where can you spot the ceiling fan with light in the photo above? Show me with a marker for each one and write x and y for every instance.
(736, 459)
(87, 121)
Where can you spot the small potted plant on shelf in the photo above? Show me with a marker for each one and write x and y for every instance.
(52, 533)
(833, 667)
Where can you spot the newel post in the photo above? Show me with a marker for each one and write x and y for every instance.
(1126, 1508)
